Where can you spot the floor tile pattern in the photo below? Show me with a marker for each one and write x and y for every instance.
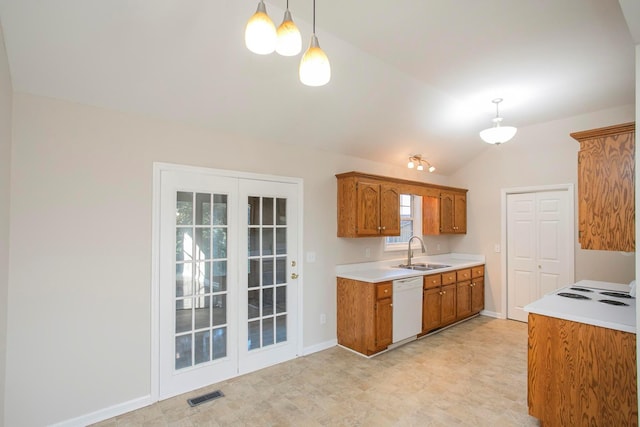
(472, 374)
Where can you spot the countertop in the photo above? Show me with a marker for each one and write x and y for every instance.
(382, 271)
(590, 312)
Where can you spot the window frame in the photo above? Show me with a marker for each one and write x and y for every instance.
(416, 217)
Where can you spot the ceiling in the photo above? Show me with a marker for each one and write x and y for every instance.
(408, 76)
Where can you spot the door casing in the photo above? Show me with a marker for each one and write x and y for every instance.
(503, 252)
(158, 169)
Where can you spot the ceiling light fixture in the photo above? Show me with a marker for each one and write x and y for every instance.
(315, 69)
(418, 162)
(289, 41)
(260, 32)
(498, 134)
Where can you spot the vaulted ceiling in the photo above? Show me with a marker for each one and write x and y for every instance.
(408, 76)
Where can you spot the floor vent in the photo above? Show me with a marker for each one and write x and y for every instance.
(205, 398)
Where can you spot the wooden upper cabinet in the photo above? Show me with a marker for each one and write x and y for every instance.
(446, 214)
(369, 205)
(606, 188)
(362, 206)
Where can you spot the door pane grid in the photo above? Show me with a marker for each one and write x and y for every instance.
(201, 287)
(267, 284)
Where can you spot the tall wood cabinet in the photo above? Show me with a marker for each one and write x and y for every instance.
(365, 315)
(606, 188)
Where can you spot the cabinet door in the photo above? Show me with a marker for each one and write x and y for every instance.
(477, 295)
(431, 309)
(368, 219)
(460, 213)
(446, 213)
(384, 325)
(463, 299)
(389, 210)
(430, 215)
(448, 304)
(606, 194)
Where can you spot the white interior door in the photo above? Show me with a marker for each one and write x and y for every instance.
(227, 288)
(539, 249)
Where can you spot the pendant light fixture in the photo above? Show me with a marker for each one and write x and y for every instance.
(315, 69)
(260, 32)
(498, 134)
(289, 42)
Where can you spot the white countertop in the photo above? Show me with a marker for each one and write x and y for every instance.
(382, 271)
(591, 312)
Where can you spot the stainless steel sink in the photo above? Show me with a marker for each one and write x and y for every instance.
(421, 266)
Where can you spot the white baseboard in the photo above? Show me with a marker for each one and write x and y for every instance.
(106, 413)
(319, 347)
(493, 314)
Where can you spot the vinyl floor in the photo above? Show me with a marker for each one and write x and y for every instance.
(472, 374)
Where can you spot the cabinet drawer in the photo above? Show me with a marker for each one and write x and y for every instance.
(384, 290)
(432, 281)
(463, 274)
(448, 277)
(477, 271)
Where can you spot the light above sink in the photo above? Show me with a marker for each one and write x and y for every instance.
(421, 266)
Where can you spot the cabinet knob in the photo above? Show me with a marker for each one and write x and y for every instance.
(386, 290)
(384, 228)
(444, 292)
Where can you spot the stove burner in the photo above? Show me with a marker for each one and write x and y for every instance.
(572, 295)
(581, 289)
(612, 302)
(616, 294)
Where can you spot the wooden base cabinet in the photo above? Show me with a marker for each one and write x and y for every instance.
(451, 296)
(581, 375)
(365, 315)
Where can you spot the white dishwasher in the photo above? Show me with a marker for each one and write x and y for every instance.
(407, 308)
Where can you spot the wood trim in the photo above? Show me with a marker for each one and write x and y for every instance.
(423, 185)
(604, 132)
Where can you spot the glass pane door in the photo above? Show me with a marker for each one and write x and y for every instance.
(266, 278)
(269, 286)
(201, 278)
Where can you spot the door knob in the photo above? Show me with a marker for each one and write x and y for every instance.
(294, 276)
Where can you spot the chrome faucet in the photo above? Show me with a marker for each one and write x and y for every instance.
(410, 252)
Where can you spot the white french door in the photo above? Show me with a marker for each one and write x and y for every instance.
(227, 286)
(539, 247)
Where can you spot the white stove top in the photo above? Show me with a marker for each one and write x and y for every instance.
(587, 306)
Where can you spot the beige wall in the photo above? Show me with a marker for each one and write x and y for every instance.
(80, 272)
(539, 155)
(5, 174)
(80, 277)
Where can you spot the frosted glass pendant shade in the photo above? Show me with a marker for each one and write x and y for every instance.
(289, 41)
(260, 32)
(498, 134)
(315, 69)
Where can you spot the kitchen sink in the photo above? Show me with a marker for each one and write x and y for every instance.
(421, 266)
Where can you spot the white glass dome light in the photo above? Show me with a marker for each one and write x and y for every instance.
(289, 40)
(498, 134)
(260, 32)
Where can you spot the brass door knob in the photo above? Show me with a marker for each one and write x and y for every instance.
(294, 276)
